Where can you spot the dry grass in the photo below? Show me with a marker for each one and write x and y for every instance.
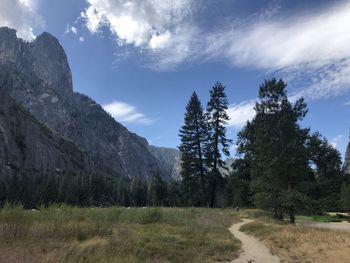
(299, 243)
(66, 234)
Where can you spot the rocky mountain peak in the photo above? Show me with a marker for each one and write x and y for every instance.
(43, 59)
(51, 65)
(8, 33)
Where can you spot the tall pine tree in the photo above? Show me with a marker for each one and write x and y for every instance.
(193, 135)
(217, 143)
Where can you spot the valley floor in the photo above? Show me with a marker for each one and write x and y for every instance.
(67, 234)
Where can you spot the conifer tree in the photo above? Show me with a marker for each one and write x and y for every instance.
(217, 142)
(193, 135)
(157, 190)
(274, 144)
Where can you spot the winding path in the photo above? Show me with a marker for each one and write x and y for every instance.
(253, 250)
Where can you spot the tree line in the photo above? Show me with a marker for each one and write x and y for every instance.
(280, 165)
(33, 189)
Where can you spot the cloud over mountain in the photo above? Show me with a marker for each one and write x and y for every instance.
(20, 15)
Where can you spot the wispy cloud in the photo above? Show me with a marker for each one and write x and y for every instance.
(239, 114)
(20, 15)
(71, 29)
(126, 113)
(335, 141)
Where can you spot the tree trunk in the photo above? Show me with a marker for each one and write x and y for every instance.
(213, 193)
(278, 213)
(292, 215)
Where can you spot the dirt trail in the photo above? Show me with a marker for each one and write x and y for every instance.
(253, 250)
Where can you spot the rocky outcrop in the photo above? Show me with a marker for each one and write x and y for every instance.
(28, 145)
(37, 75)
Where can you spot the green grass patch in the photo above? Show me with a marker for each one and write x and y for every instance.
(62, 233)
(319, 218)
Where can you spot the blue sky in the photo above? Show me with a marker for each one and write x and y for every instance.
(143, 59)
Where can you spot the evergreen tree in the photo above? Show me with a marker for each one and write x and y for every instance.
(345, 197)
(157, 190)
(174, 194)
(3, 192)
(325, 163)
(138, 192)
(49, 191)
(274, 144)
(13, 189)
(239, 184)
(193, 135)
(216, 143)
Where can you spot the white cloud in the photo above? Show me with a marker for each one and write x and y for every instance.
(81, 39)
(335, 141)
(160, 41)
(147, 23)
(239, 114)
(20, 15)
(71, 29)
(126, 113)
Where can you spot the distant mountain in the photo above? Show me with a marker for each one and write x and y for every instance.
(169, 159)
(37, 75)
(346, 164)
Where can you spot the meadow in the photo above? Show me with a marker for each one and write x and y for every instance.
(62, 233)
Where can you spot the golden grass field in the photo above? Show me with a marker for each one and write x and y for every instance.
(301, 243)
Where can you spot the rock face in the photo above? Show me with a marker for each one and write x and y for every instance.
(346, 165)
(28, 145)
(169, 159)
(37, 75)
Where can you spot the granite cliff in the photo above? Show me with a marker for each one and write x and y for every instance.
(27, 145)
(37, 75)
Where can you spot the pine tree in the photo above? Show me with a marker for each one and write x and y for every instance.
(157, 190)
(217, 142)
(239, 184)
(325, 162)
(138, 192)
(345, 197)
(193, 135)
(274, 143)
(49, 191)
